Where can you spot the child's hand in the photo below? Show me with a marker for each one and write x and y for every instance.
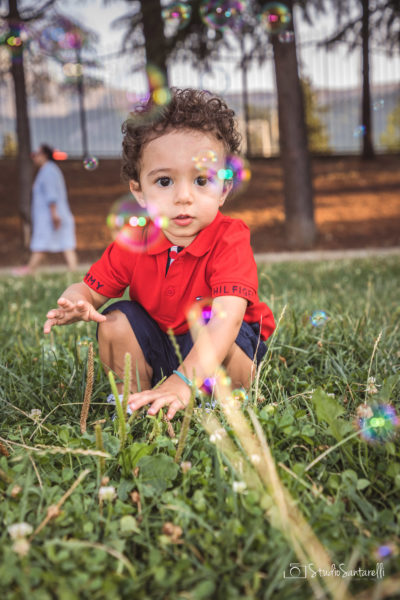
(70, 312)
(173, 393)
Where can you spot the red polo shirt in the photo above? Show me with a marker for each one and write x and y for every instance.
(219, 262)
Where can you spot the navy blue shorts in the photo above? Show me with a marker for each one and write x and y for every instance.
(157, 346)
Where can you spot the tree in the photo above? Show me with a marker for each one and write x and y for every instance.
(145, 32)
(377, 21)
(17, 20)
(297, 183)
(391, 136)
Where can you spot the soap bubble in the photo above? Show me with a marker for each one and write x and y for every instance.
(208, 385)
(378, 104)
(382, 426)
(202, 310)
(206, 160)
(223, 14)
(176, 15)
(240, 394)
(147, 106)
(318, 318)
(236, 171)
(132, 227)
(215, 81)
(91, 163)
(275, 17)
(359, 131)
(286, 37)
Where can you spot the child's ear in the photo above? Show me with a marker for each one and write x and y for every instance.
(136, 191)
(225, 191)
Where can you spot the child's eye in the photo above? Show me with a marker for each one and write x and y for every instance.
(202, 180)
(164, 181)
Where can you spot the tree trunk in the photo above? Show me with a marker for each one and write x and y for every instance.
(24, 162)
(245, 96)
(153, 32)
(297, 182)
(366, 119)
(82, 114)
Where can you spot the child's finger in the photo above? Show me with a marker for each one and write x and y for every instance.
(65, 303)
(97, 317)
(173, 409)
(136, 401)
(165, 400)
(48, 325)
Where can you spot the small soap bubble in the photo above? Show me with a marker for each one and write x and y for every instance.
(205, 160)
(359, 131)
(236, 171)
(209, 385)
(240, 394)
(216, 80)
(223, 14)
(176, 15)
(318, 318)
(203, 310)
(275, 17)
(147, 106)
(91, 163)
(378, 105)
(132, 227)
(382, 426)
(286, 37)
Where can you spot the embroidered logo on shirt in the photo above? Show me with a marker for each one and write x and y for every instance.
(92, 280)
(232, 290)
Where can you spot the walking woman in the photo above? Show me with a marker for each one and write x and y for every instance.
(53, 227)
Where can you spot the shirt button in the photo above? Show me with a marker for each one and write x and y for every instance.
(170, 291)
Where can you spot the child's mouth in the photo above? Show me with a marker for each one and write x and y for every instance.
(183, 220)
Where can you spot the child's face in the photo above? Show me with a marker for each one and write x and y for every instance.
(172, 186)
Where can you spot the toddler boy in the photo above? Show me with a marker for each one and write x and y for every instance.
(199, 254)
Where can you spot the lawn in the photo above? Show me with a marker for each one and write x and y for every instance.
(235, 502)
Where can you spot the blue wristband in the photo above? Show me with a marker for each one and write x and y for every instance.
(184, 378)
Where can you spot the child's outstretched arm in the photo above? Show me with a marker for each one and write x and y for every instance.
(78, 303)
(212, 346)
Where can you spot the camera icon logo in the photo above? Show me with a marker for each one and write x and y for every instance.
(295, 571)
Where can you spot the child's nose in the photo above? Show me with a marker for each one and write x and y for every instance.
(183, 194)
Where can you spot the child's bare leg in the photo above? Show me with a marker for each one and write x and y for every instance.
(240, 368)
(35, 260)
(72, 261)
(116, 338)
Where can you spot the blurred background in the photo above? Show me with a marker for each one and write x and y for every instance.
(315, 85)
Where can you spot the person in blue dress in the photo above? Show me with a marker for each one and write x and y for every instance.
(53, 227)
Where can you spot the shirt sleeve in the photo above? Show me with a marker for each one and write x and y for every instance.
(52, 186)
(232, 268)
(112, 273)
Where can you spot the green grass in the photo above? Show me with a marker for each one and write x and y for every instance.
(227, 547)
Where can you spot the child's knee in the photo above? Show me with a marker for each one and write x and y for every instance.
(114, 327)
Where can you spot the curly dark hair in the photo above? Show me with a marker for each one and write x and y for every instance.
(187, 109)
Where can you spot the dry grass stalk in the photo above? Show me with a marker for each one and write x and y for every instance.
(127, 385)
(97, 546)
(283, 512)
(100, 446)
(88, 388)
(185, 427)
(43, 449)
(3, 450)
(54, 510)
(170, 429)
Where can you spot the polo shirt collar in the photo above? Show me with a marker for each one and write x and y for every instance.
(200, 245)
